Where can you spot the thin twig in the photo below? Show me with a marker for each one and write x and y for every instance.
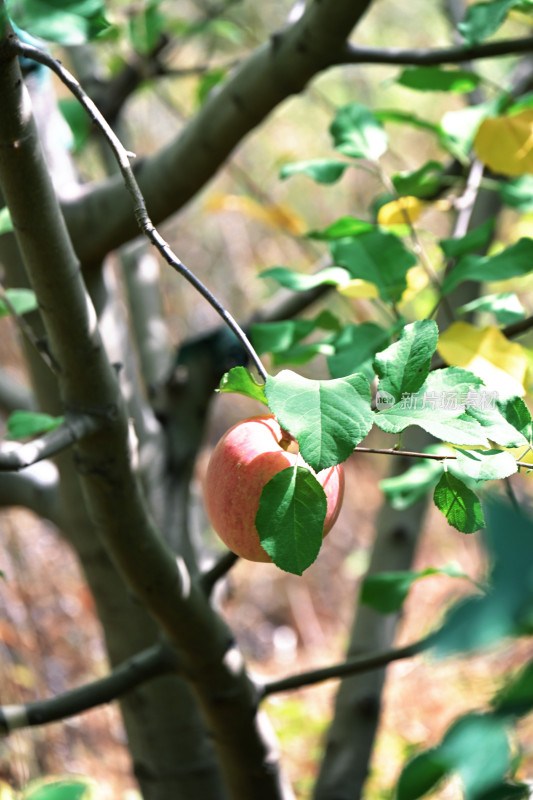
(352, 666)
(123, 157)
(217, 571)
(148, 664)
(15, 456)
(389, 451)
(355, 54)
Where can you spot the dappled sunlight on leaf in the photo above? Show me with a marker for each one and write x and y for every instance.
(503, 365)
(505, 144)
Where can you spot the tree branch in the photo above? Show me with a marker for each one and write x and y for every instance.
(13, 394)
(37, 489)
(352, 666)
(219, 569)
(355, 54)
(15, 456)
(170, 178)
(149, 664)
(144, 222)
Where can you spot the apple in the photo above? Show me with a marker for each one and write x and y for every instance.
(246, 457)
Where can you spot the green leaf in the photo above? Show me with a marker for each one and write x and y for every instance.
(240, 381)
(22, 300)
(404, 366)
(67, 788)
(475, 239)
(386, 592)
(438, 79)
(496, 426)
(328, 418)
(406, 118)
(437, 408)
(421, 774)
(459, 504)
(357, 133)
(275, 337)
(355, 349)
(6, 223)
(146, 26)
(516, 698)
(476, 746)
(321, 170)
(402, 491)
(21, 424)
(345, 226)
(485, 465)
(300, 282)
(78, 121)
(518, 193)
(507, 608)
(483, 19)
(458, 128)
(505, 306)
(66, 22)
(207, 82)
(517, 414)
(512, 262)
(290, 519)
(378, 257)
(506, 791)
(423, 182)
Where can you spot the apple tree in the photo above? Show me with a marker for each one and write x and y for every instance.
(400, 333)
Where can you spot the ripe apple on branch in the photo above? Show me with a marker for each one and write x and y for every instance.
(249, 456)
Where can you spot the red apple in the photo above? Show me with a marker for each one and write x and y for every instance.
(247, 457)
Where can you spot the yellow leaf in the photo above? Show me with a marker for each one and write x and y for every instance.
(359, 288)
(417, 280)
(276, 216)
(505, 144)
(402, 211)
(486, 352)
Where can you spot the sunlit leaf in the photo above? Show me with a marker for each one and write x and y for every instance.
(22, 301)
(404, 210)
(21, 424)
(357, 133)
(459, 504)
(512, 262)
(328, 418)
(404, 366)
(505, 144)
(500, 363)
(505, 306)
(6, 223)
(240, 381)
(485, 465)
(358, 288)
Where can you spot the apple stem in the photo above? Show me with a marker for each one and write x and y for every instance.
(288, 442)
